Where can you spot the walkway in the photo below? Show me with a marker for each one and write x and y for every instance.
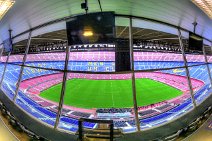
(203, 133)
(5, 134)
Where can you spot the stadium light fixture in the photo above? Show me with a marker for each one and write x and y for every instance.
(5, 5)
(204, 5)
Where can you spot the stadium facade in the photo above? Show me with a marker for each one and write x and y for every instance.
(48, 86)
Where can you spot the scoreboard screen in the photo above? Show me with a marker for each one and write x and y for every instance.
(93, 28)
(195, 42)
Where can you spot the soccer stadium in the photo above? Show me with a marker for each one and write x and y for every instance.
(125, 76)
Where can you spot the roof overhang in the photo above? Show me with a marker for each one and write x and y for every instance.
(27, 14)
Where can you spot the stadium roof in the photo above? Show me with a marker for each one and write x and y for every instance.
(26, 14)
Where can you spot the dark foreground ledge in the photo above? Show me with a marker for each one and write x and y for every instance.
(55, 135)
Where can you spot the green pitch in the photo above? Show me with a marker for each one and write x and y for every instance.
(86, 93)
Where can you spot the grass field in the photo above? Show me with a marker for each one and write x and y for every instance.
(85, 93)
